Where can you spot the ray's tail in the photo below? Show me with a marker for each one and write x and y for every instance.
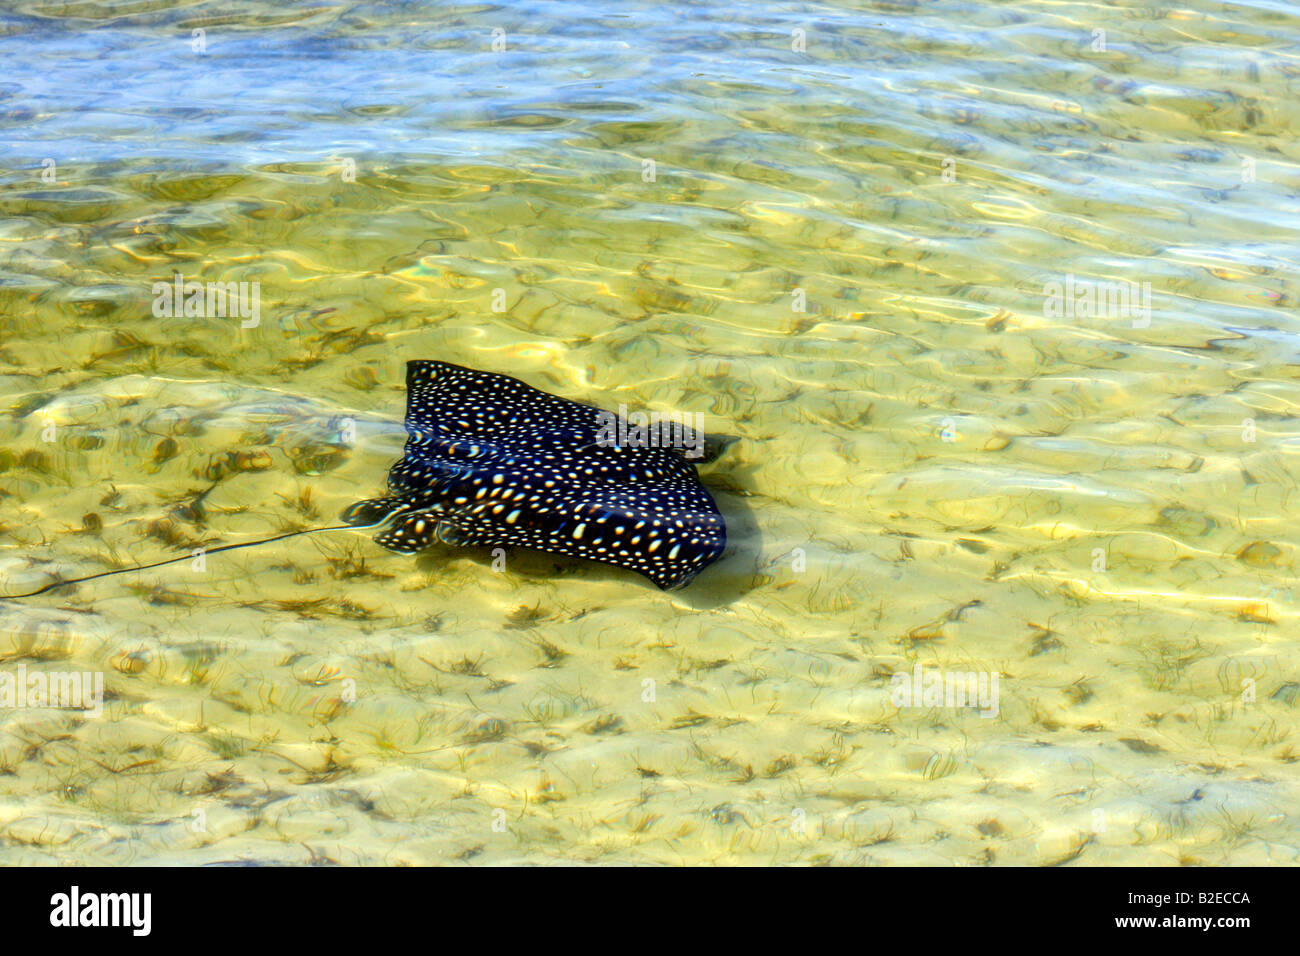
(185, 557)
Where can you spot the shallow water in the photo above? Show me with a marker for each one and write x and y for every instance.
(843, 254)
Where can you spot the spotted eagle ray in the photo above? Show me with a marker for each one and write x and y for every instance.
(494, 462)
(491, 461)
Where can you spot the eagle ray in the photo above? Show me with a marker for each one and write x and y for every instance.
(491, 461)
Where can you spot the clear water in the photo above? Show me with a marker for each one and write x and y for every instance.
(844, 254)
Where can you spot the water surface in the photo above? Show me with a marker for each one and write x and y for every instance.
(831, 229)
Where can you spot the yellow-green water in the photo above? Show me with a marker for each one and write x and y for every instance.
(934, 469)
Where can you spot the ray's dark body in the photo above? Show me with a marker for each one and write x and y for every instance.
(493, 462)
